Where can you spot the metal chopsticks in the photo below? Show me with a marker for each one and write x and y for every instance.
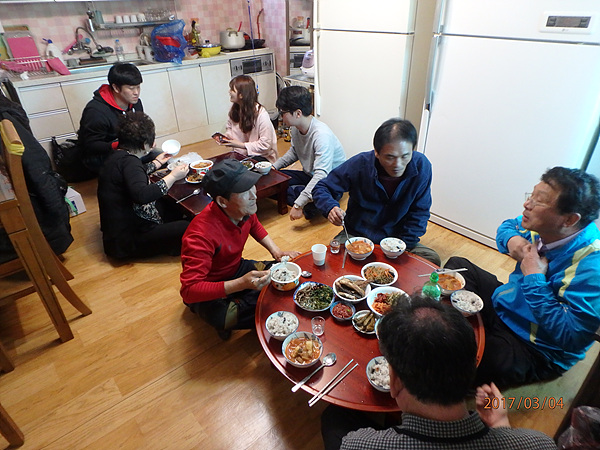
(332, 383)
(444, 271)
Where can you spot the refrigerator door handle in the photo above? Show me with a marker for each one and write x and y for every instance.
(317, 53)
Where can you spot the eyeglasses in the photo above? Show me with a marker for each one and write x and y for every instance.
(283, 111)
(529, 198)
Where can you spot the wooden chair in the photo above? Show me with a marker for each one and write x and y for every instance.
(35, 255)
(588, 393)
(10, 430)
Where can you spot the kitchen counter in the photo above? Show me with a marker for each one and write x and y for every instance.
(53, 77)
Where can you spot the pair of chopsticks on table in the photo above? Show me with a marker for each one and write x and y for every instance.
(332, 383)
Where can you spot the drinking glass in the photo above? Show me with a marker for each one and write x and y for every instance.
(318, 325)
(334, 245)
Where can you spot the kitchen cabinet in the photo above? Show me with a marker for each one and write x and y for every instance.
(47, 111)
(187, 90)
(78, 94)
(158, 101)
(216, 91)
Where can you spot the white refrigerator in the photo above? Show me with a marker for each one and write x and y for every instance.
(514, 89)
(362, 61)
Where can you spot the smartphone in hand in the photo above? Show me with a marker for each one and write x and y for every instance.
(219, 137)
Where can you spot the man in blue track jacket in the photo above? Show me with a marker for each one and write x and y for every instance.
(542, 321)
(389, 190)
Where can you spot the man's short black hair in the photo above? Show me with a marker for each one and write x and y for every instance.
(394, 130)
(136, 130)
(292, 98)
(123, 73)
(579, 192)
(431, 347)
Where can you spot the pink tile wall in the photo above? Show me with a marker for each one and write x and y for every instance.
(58, 21)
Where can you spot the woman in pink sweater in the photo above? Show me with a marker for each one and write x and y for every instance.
(249, 127)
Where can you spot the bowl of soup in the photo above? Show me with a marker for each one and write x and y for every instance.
(201, 166)
(359, 248)
(302, 349)
(450, 282)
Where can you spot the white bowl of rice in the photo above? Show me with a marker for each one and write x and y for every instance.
(285, 276)
(281, 324)
(378, 373)
(467, 302)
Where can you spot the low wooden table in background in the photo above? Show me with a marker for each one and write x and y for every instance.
(354, 391)
(274, 184)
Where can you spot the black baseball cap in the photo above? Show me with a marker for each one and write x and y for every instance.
(229, 176)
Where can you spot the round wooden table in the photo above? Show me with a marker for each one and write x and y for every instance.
(354, 391)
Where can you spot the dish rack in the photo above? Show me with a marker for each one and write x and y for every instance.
(33, 65)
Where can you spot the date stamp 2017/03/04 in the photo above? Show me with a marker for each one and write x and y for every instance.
(523, 402)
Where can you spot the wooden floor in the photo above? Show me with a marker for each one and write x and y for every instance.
(144, 373)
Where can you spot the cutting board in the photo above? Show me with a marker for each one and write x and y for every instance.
(21, 45)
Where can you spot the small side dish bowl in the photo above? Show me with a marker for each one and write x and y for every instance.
(285, 276)
(337, 289)
(281, 324)
(358, 321)
(263, 167)
(392, 247)
(194, 178)
(360, 254)
(248, 164)
(451, 282)
(467, 302)
(379, 274)
(378, 374)
(298, 353)
(342, 310)
(308, 302)
(385, 291)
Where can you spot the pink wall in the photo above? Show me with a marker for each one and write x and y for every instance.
(58, 21)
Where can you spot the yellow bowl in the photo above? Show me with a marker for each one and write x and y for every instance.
(207, 52)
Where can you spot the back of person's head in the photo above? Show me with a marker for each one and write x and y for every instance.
(244, 113)
(136, 132)
(431, 347)
(292, 98)
(123, 73)
(579, 192)
(394, 130)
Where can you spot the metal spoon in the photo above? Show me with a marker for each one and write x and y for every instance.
(194, 192)
(328, 360)
(344, 225)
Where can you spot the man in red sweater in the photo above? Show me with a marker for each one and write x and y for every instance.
(216, 282)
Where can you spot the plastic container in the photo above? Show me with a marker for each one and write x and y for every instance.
(52, 51)
(432, 289)
(119, 51)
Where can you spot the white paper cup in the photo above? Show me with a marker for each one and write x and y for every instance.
(319, 251)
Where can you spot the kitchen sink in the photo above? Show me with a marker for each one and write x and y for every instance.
(92, 67)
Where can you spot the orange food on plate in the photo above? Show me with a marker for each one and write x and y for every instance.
(360, 247)
(449, 282)
(201, 164)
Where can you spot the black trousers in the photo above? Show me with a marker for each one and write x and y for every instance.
(507, 359)
(236, 311)
(337, 422)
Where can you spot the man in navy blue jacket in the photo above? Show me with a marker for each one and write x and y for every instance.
(389, 190)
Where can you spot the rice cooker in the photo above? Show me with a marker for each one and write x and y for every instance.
(232, 40)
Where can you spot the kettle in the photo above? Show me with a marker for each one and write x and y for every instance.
(231, 39)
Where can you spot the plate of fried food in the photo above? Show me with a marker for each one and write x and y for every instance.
(195, 178)
(351, 288)
(364, 322)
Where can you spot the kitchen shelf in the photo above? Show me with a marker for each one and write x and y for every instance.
(116, 26)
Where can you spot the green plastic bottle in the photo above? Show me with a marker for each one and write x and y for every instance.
(432, 289)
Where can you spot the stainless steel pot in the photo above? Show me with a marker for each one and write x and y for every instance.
(232, 40)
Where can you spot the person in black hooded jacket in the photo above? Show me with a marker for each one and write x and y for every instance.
(101, 116)
(47, 189)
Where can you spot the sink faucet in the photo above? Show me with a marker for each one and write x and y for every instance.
(80, 46)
